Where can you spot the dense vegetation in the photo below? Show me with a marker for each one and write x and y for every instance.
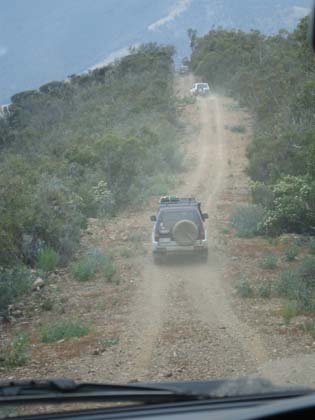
(274, 77)
(85, 147)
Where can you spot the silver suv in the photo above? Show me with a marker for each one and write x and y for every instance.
(179, 229)
(202, 89)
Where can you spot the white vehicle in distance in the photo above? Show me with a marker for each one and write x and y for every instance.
(201, 89)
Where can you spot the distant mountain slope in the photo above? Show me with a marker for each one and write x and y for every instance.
(42, 41)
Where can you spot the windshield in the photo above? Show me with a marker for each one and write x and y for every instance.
(168, 218)
(98, 121)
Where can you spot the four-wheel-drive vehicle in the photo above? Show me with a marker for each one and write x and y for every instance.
(202, 89)
(179, 229)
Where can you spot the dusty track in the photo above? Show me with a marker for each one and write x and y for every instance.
(172, 321)
(181, 322)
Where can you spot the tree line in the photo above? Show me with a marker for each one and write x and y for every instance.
(274, 78)
(84, 147)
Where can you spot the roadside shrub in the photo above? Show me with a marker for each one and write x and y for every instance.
(15, 354)
(70, 152)
(14, 283)
(232, 107)
(47, 259)
(58, 220)
(264, 291)
(246, 219)
(63, 329)
(187, 100)
(289, 310)
(298, 284)
(136, 237)
(293, 206)
(103, 199)
(108, 269)
(126, 252)
(309, 327)
(311, 245)
(238, 129)
(244, 289)
(269, 262)
(291, 253)
(110, 342)
(47, 304)
(84, 269)
(306, 271)
(161, 184)
(92, 263)
(262, 194)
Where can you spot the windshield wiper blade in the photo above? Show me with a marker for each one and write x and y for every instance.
(67, 390)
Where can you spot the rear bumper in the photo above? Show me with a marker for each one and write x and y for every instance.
(172, 248)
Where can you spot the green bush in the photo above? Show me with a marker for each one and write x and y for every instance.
(136, 237)
(309, 327)
(262, 194)
(14, 283)
(298, 284)
(246, 219)
(289, 310)
(126, 252)
(15, 354)
(292, 208)
(92, 263)
(71, 152)
(47, 259)
(281, 154)
(63, 329)
(264, 291)
(311, 245)
(84, 269)
(187, 100)
(269, 262)
(244, 289)
(291, 253)
(110, 342)
(238, 129)
(306, 270)
(58, 218)
(47, 304)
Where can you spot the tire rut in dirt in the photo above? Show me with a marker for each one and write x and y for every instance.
(190, 347)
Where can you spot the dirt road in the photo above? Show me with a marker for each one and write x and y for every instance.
(182, 319)
(181, 323)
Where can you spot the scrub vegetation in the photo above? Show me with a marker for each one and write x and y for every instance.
(82, 148)
(273, 77)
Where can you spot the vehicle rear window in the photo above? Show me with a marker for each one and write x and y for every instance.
(169, 217)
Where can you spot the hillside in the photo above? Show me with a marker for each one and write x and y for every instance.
(82, 164)
(84, 148)
(44, 41)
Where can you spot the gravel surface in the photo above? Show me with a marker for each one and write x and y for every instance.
(182, 319)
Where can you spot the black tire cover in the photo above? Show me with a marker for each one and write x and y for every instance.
(185, 232)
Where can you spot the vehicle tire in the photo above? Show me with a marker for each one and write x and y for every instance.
(185, 232)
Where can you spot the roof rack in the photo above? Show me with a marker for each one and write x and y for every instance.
(175, 201)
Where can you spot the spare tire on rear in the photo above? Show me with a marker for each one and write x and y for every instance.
(185, 232)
